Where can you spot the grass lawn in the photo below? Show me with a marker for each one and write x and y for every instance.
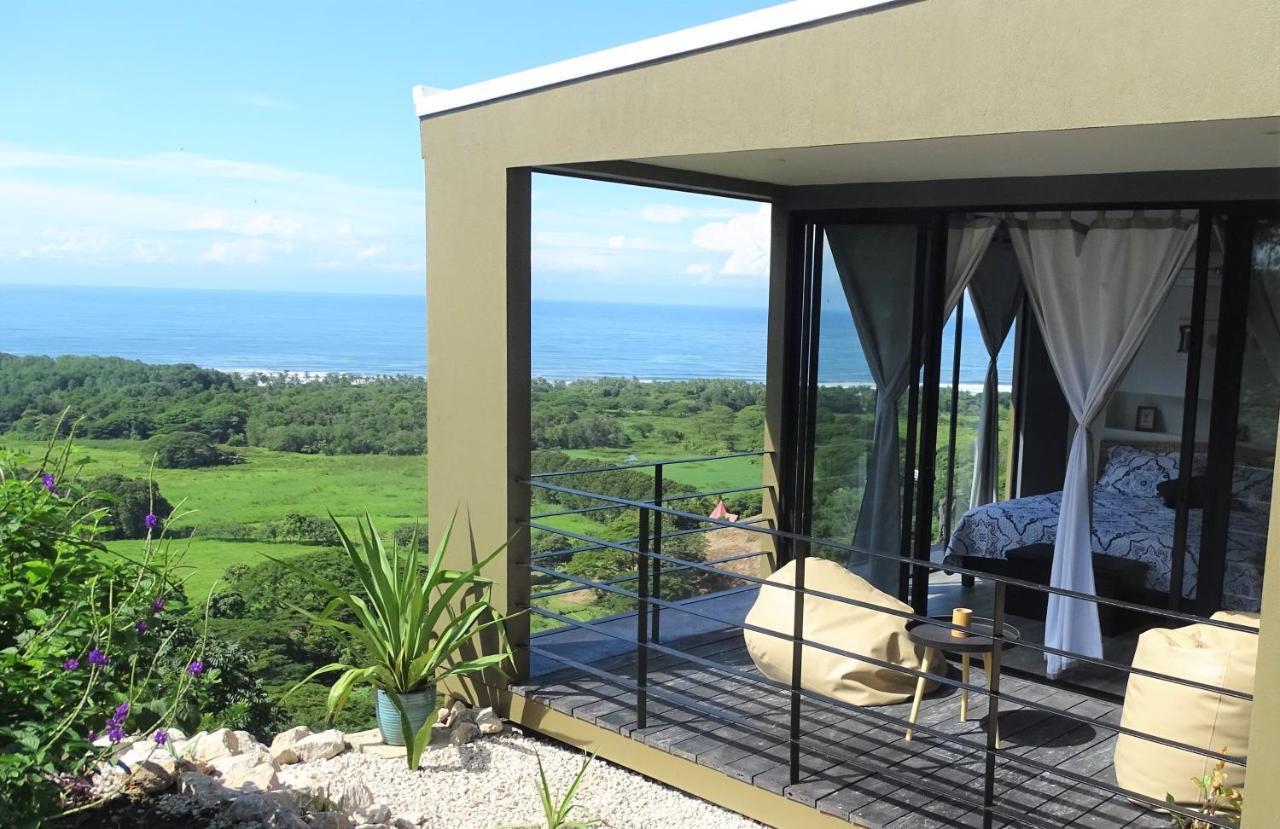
(205, 560)
(706, 476)
(267, 485)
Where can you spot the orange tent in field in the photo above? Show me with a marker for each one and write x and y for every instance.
(722, 512)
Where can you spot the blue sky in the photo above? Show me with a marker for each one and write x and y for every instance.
(274, 145)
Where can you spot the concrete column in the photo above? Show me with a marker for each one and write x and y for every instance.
(478, 370)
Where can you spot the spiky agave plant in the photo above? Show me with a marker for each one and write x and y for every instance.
(414, 625)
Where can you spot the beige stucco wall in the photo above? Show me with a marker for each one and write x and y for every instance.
(938, 68)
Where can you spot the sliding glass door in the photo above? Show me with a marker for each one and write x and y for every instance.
(859, 352)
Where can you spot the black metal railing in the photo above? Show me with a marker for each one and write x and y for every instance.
(652, 563)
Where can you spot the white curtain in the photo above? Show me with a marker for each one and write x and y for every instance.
(996, 292)
(1095, 291)
(876, 264)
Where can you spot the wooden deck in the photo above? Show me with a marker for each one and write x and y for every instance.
(856, 767)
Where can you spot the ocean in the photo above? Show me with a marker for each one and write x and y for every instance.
(383, 334)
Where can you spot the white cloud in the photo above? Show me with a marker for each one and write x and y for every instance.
(672, 214)
(745, 238)
(186, 211)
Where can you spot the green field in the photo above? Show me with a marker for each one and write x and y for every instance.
(393, 488)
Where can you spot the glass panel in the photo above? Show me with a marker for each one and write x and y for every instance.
(867, 302)
(1255, 449)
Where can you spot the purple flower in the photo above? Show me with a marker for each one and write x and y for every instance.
(116, 733)
(97, 657)
(120, 714)
(50, 482)
(71, 664)
(161, 737)
(91, 735)
(140, 626)
(157, 605)
(150, 520)
(195, 668)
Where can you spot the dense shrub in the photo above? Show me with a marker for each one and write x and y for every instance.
(126, 502)
(80, 631)
(410, 534)
(297, 528)
(187, 450)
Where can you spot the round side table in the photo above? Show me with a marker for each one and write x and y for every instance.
(939, 636)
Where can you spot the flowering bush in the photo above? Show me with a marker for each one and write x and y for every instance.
(87, 649)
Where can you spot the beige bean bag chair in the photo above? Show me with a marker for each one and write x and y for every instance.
(1213, 656)
(848, 627)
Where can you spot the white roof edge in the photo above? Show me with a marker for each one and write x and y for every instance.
(433, 101)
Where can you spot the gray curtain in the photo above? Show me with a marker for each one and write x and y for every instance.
(996, 293)
(876, 264)
(1264, 301)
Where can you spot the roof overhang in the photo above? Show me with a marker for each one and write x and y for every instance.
(793, 15)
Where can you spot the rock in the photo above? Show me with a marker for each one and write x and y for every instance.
(243, 741)
(351, 796)
(488, 722)
(463, 733)
(282, 747)
(330, 820)
(459, 713)
(404, 823)
(258, 756)
(320, 746)
(442, 716)
(258, 777)
(151, 777)
(206, 748)
(362, 739)
(252, 807)
(372, 826)
(202, 788)
(376, 813)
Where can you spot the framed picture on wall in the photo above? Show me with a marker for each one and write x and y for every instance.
(1147, 419)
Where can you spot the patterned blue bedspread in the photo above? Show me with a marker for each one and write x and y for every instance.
(1127, 526)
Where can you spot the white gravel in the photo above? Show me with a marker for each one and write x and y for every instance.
(493, 782)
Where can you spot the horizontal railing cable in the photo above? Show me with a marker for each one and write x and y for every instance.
(907, 615)
(623, 579)
(666, 499)
(586, 548)
(753, 453)
(849, 548)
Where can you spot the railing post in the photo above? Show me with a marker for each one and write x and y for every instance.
(642, 622)
(656, 612)
(993, 708)
(797, 652)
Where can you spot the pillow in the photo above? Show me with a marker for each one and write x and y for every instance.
(1251, 487)
(1168, 490)
(1133, 471)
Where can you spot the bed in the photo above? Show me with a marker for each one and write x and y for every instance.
(1131, 520)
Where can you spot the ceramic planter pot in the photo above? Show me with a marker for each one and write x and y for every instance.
(418, 705)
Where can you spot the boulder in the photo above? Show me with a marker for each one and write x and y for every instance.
(488, 722)
(259, 756)
(459, 713)
(207, 747)
(203, 789)
(351, 795)
(375, 813)
(267, 809)
(149, 777)
(320, 746)
(282, 747)
(330, 820)
(259, 777)
(243, 741)
(463, 733)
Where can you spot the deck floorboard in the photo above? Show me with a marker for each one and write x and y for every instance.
(854, 765)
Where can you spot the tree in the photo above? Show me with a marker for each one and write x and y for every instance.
(187, 450)
(127, 501)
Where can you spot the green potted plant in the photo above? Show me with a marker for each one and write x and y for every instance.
(414, 624)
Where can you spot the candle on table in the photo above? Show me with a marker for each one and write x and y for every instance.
(960, 617)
